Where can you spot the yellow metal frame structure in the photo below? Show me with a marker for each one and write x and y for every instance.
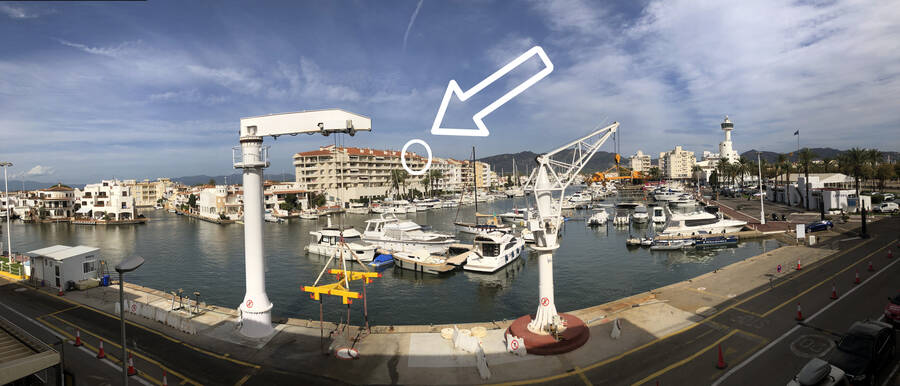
(340, 287)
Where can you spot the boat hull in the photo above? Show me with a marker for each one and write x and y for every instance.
(495, 263)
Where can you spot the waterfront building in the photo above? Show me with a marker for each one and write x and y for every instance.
(276, 193)
(481, 176)
(677, 164)
(55, 203)
(214, 202)
(109, 199)
(640, 162)
(148, 193)
(451, 174)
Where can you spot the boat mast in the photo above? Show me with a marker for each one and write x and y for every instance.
(474, 181)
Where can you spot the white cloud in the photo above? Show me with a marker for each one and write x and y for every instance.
(412, 20)
(36, 171)
(17, 12)
(112, 52)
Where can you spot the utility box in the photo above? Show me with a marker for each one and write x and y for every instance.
(57, 265)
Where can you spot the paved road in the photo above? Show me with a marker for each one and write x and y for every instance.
(747, 325)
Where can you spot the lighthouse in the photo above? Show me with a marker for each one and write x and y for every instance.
(726, 150)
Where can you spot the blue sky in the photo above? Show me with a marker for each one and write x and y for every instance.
(92, 90)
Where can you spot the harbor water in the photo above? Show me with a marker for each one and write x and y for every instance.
(592, 266)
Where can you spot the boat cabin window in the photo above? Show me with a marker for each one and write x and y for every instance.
(490, 249)
(701, 222)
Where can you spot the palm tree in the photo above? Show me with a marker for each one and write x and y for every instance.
(874, 158)
(696, 170)
(743, 168)
(398, 179)
(781, 163)
(826, 164)
(654, 173)
(806, 156)
(722, 168)
(853, 161)
(436, 175)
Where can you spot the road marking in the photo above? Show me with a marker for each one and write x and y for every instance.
(54, 333)
(748, 312)
(705, 320)
(891, 375)
(830, 278)
(243, 380)
(685, 360)
(583, 377)
(118, 346)
(797, 327)
(61, 311)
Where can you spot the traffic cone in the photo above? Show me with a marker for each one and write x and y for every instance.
(799, 313)
(857, 278)
(721, 363)
(164, 381)
(131, 370)
(890, 253)
(799, 267)
(871, 268)
(77, 338)
(100, 353)
(833, 292)
(60, 293)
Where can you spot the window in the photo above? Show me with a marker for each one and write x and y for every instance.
(90, 266)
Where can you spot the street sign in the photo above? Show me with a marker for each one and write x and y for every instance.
(801, 231)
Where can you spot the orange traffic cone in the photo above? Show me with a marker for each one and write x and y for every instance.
(77, 338)
(890, 253)
(833, 292)
(60, 293)
(721, 363)
(857, 278)
(871, 268)
(799, 267)
(164, 381)
(131, 370)
(799, 312)
(100, 353)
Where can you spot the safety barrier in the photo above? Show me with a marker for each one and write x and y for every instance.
(172, 319)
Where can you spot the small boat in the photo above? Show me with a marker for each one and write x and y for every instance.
(393, 234)
(527, 235)
(269, 217)
(716, 242)
(640, 215)
(358, 208)
(483, 223)
(659, 215)
(492, 251)
(633, 241)
(598, 218)
(157, 207)
(327, 242)
(514, 216)
(667, 245)
(422, 262)
(621, 218)
(382, 262)
(646, 241)
(309, 214)
(173, 211)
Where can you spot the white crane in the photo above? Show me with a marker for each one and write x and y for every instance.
(551, 178)
(252, 157)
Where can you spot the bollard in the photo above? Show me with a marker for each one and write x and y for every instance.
(799, 313)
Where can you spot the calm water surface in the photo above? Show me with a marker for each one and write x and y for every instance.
(591, 267)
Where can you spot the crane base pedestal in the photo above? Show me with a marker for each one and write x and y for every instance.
(575, 336)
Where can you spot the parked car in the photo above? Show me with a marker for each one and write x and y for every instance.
(892, 311)
(888, 196)
(819, 226)
(864, 350)
(885, 207)
(819, 373)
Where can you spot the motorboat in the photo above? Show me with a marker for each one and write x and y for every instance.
(483, 223)
(692, 224)
(396, 235)
(627, 205)
(157, 207)
(640, 215)
(659, 215)
(621, 217)
(668, 245)
(346, 242)
(431, 203)
(382, 262)
(598, 218)
(633, 241)
(455, 256)
(358, 208)
(716, 242)
(683, 200)
(666, 194)
(527, 235)
(269, 217)
(309, 214)
(646, 241)
(580, 198)
(492, 251)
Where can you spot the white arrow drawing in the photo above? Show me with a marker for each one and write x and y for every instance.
(453, 88)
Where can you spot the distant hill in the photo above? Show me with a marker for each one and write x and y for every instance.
(821, 153)
(602, 160)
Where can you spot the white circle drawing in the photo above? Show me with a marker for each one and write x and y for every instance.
(403, 157)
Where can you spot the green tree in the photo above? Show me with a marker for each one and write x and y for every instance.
(655, 174)
(398, 180)
(212, 181)
(874, 157)
(781, 167)
(853, 161)
(883, 173)
(743, 168)
(426, 182)
(436, 175)
(806, 156)
(192, 201)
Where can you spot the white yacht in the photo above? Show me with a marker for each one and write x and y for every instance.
(580, 198)
(598, 218)
(483, 223)
(621, 217)
(492, 251)
(682, 201)
(667, 194)
(431, 203)
(327, 242)
(358, 208)
(700, 222)
(397, 235)
(640, 215)
(659, 215)
(309, 214)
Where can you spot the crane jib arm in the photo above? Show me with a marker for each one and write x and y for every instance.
(305, 122)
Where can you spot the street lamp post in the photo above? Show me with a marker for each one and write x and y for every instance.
(8, 233)
(762, 212)
(127, 265)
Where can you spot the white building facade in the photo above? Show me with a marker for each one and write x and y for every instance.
(640, 162)
(109, 199)
(677, 164)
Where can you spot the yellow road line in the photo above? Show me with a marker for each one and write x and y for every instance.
(61, 311)
(243, 380)
(92, 348)
(705, 320)
(685, 360)
(118, 346)
(583, 377)
(830, 278)
(150, 330)
(747, 312)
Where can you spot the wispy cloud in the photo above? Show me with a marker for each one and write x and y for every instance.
(36, 171)
(112, 52)
(412, 20)
(18, 12)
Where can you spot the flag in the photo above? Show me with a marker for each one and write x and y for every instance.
(797, 132)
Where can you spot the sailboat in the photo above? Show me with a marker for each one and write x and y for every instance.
(516, 190)
(483, 222)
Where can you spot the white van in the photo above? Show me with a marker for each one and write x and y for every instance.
(887, 207)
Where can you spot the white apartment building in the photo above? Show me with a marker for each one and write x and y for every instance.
(451, 174)
(275, 194)
(109, 198)
(640, 162)
(220, 200)
(350, 173)
(54, 203)
(677, 164)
